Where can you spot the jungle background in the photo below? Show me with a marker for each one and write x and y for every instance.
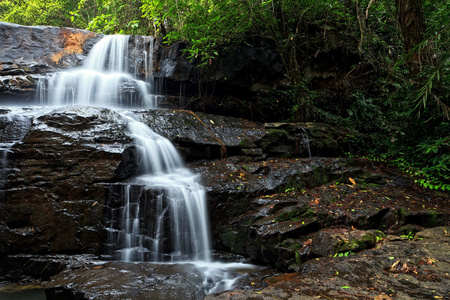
(394, 95)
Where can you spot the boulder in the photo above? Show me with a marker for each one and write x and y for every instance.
(331, 242)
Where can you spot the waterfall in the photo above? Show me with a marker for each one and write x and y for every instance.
(163, 216)
(178, 230)
(103, 80)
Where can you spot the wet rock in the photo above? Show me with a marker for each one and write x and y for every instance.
(330, 242)
(53, 199)
(311, 139)
(200, 136)
(119, 280)
(394, 270)
(28, 52)
(27, 268)
(270, 211)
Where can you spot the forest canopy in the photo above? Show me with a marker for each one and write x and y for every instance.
(403, 115)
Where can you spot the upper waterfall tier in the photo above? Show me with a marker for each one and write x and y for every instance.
(104, 79)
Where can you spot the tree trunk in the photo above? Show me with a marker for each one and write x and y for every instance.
(411, 21)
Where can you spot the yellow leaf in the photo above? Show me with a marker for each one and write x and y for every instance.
(351, 180)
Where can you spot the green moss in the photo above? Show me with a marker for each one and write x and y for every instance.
(297, 215)
(378, 234)
(366, 241)
(431, 218)
(273, 136)
(298, 258)
(320, 176)
(289, 216)
(235, 240)
(245, 143)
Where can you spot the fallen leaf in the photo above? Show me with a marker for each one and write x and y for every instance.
(394, 265)
(351, 180)
(382, 297)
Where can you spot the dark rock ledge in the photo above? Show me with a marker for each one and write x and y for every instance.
(395, 269)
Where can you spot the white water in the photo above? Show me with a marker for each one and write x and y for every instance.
(164, 214)
(181, 225)
(179, 229)
(103, 80)
(306, 141)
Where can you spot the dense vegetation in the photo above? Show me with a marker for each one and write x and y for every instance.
(402, 115)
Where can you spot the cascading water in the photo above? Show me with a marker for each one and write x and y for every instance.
(163, 216)
(306, 141)
(103, 80)
(181, 229)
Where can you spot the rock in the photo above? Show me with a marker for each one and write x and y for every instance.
(53, 200)
(29, 52)
(330, 242)
(394, 270)
(200, 136)
(271, 211)
(66, 164)
(433, 233)
(118, 280)
(20, 268)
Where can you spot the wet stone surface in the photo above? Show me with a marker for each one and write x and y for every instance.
(120, 280)
(283, 212)
(395, 269)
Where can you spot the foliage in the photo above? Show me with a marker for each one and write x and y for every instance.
(205, 25)
(110, 16)
(343, 254)
(37, 12)
(403, 116)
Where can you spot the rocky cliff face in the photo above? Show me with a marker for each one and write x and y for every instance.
(29, 52)
(63, 172)
(52, 198)
(239, 83)
(60, 167)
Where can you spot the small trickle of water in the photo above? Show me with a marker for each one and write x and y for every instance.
(12, 129)
(306, 141)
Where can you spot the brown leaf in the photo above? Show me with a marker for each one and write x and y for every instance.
(394, 266)
(382, 297)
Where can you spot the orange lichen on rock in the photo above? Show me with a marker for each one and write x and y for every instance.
(73, 44)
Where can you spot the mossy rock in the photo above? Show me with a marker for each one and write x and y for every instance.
(358, 241)
(245, 143)
(235, 240)
(274, 137)
(330, 242)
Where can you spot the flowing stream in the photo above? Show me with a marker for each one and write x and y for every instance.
(175, 227)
